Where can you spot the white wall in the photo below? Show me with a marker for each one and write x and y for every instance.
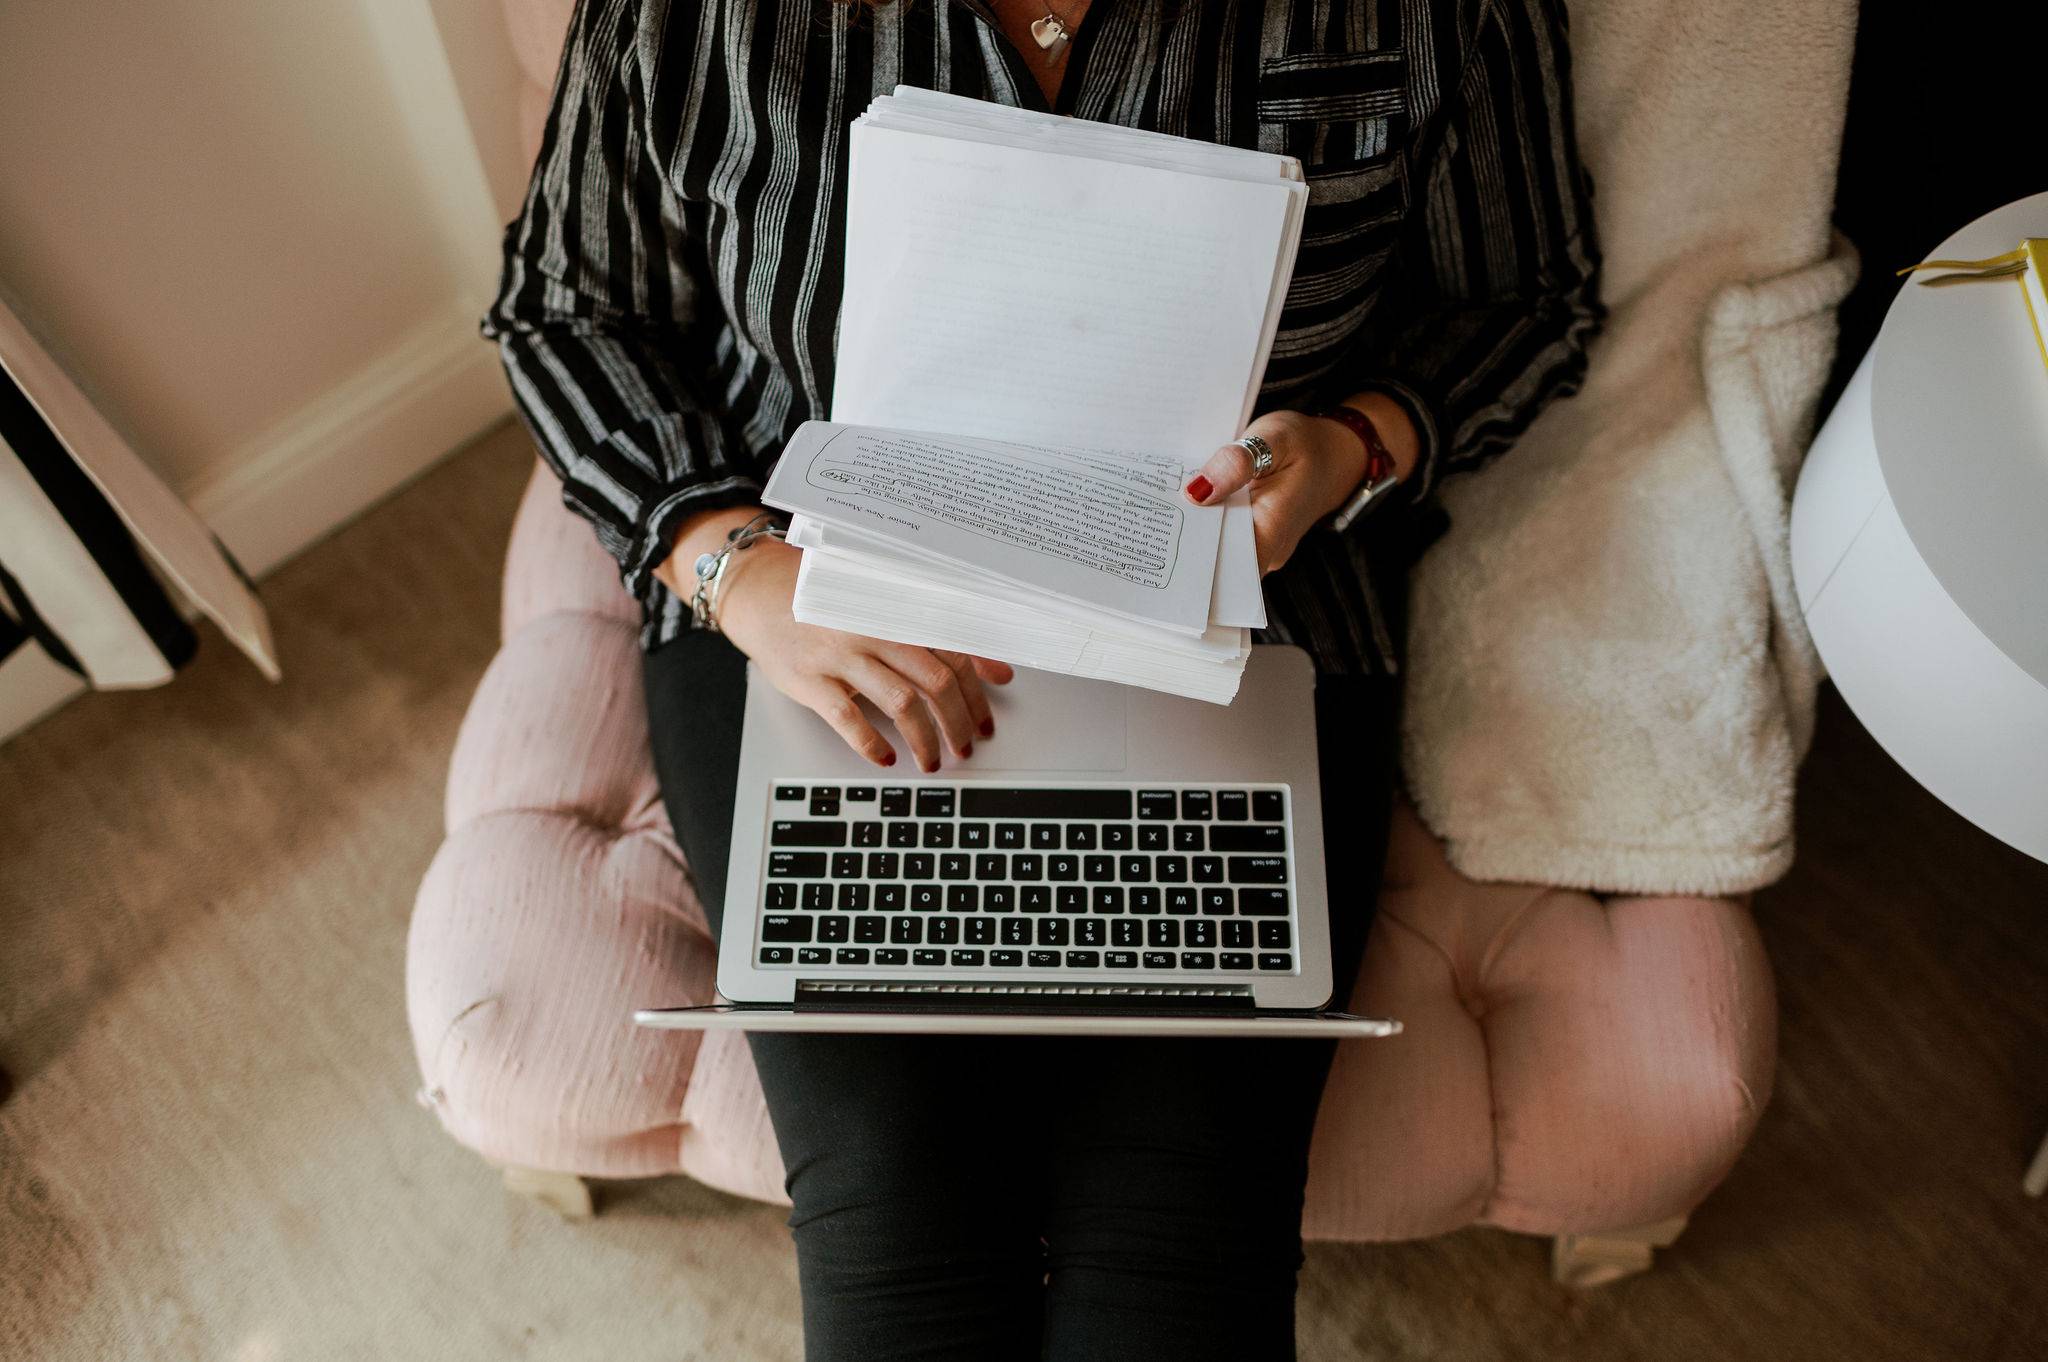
(259, 234)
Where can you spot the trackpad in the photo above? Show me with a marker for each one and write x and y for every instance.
(1049, 722)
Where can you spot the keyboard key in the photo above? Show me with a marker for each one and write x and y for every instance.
(906, 931)
(869, 930)
(846, 865)
(1080, 837)
(1044, 959)
(796, 865)
(1188, 837)
(1121, 959)
(1098, 869)
(895, 802)
(1126, 932)
(962, 898)
(783, 927)
(1276, 960)
(1262, 902)
(974, 836)
(1250, 837)
(981, 931)
(1153, 836)
(1170, 869)
(925, 898)
(850, 955)
(1162, 932)
(817, 897)
(1197, 960)
(776, 955)
(1009, 836)
(1070, 898)
(1155, 804)
(1194, 806)
(1116, 836)
(994, 801)
(1236, 960)
(1091, 931)
(1063, 867)
(1144, 901)
(853, 898)
(927, 957)
(1134, 869)
(889, 898)
(1052, 931)
(837, 929)
(867, 833)
(1084, 960)
(1232, 806)
(781, 898)
(999, 898)
(1006, 959)
(825, 801)
(1237, 934)
(1216, 902)
(1035, 898)
(1027, 866)
(903, 834)
(813, 955)
(991, 865)
(938, 834)
(1159, 960)
(1275, 936)
(967, 959)
(1016, 931)
(935, 802)
(1180, 901)
(883, 865)
(1107, 898)
(860, 794)
(1208, 870)
(1258, 870)
(784, 833)
(1202, 932)
(1268, 806)
(891, 955)
(955, 865)
(786, 793)
(1045, 836)
(943, 931)
(919, 865)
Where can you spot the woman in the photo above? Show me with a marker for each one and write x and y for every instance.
(667, 318)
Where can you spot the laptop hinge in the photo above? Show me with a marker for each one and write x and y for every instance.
(903, 995)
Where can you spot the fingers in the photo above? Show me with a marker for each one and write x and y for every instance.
(942, 689)
(970, 690)
(900, 698)
(1228, 469)
(994, 672)
(835, 705)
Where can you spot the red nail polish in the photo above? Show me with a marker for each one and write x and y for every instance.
(1200, 487)
(988, 728)
(967, 751)
(928, 769)
(889, 760)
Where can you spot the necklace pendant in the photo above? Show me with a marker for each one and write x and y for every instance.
(1048, 32)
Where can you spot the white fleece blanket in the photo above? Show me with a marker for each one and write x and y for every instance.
(1610, 686)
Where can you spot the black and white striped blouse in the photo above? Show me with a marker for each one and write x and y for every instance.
(671, 287)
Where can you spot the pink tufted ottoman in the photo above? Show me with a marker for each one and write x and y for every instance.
(1571, 1067)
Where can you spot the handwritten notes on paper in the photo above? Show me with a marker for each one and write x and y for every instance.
(1096, 527)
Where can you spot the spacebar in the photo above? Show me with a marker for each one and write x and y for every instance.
(993, 801)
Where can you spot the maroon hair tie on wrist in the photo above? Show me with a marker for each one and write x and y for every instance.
(1379, 465)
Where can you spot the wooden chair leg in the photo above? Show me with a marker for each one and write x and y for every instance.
(563, 1193)
(2037, 1173)
(1588, 1260)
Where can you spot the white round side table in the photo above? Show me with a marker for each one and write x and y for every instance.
(1920, 544)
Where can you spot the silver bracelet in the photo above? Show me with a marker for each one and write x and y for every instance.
(712, 567)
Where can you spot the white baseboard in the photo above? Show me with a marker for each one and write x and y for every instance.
(308, 475)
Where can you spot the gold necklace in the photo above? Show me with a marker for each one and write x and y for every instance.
(1050, 31)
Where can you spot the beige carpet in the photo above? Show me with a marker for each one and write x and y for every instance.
(212, 1151)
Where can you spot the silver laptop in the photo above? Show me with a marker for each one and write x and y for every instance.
(1112, 861)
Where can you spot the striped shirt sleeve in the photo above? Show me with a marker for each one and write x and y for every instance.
(1493, 293)
(596, 315)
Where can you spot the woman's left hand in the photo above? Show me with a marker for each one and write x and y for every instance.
(1317, 465)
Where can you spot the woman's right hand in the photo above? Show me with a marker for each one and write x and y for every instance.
(933, 697)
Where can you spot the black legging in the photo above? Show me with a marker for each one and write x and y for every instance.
(1016, 1197)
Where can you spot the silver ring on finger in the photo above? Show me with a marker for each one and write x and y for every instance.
(1261, 452)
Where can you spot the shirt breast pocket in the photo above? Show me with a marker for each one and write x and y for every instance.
(1345, 116)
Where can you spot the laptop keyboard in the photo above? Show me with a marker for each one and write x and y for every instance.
(966, 877)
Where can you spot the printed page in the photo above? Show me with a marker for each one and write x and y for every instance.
(1108, 531)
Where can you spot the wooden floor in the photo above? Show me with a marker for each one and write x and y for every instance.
(212, 1151)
